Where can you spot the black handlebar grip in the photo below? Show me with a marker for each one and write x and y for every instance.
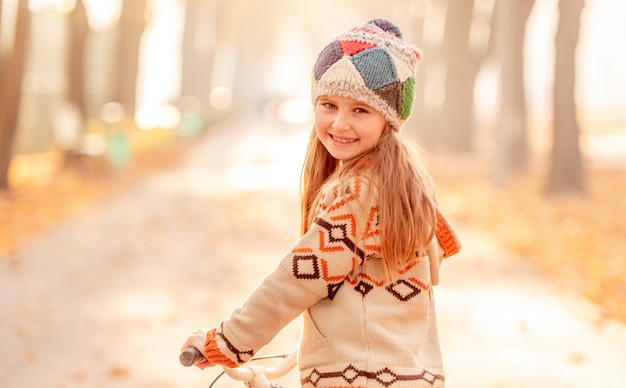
(190, 356)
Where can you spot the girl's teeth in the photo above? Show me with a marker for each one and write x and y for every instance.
(343, 141)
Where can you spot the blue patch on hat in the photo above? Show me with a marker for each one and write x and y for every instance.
(376, 67)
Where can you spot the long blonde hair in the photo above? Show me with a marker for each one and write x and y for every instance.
(406, 198)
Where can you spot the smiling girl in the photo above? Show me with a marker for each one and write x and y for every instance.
(362, 274)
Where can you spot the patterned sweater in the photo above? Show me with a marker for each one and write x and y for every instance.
(358, 330)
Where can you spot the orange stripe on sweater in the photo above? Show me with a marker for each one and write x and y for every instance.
(446, 236)
(330, 278)
(324, 248)
(350, 217)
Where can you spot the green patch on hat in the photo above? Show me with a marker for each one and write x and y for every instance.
(408, 93)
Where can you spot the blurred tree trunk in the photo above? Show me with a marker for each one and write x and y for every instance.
(10, 89)
(462, 65)
(421, 118)
(566, 174)
(509, 27)
(199, 37)
(77, 35)
(0, 27)
(2, 58)
(131, 26)
(418, 38)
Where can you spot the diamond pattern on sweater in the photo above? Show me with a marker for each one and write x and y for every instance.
(386, 377)
(332, 289)
(306, 267)
(373, 220)
(330, 233)
(337, 233)
(403, 290)
(363, 288)
(350, 374)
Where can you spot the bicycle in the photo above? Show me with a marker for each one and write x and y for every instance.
(253, 376)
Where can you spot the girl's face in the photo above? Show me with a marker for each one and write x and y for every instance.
(347, 127)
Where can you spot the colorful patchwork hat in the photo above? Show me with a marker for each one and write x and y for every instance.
(370, 63)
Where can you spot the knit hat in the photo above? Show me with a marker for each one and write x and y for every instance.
(372, 64)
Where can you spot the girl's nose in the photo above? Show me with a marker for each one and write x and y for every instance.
(341, 121)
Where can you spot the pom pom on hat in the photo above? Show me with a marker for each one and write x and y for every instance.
(387, 26)
(372, 64)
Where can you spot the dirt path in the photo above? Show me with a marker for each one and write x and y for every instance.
(106, 298)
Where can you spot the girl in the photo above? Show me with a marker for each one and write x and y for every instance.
(372, 238)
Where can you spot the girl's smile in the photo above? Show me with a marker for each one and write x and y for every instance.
(347, 127)
(343, 141)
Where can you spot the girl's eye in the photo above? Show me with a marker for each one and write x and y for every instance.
(329, 105)
(360, 110)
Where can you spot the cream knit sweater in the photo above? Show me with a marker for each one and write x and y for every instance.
(358, 330)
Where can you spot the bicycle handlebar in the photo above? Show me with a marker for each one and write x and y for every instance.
(191, 356)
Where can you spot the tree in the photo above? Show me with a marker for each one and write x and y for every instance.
(0, 26)
(131, 27)
(11, 72)
(462, 66)
(508, 31)
(77, 34)
(425, 114)
(566, 174)
(199, 40)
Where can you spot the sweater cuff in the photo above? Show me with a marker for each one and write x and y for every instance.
(446, 236)
(213, 353)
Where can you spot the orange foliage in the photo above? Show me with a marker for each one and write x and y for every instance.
(578, 240)
(46, 189)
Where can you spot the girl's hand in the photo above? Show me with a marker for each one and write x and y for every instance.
(197, 339)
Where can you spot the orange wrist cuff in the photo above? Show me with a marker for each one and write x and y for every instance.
(214, 354)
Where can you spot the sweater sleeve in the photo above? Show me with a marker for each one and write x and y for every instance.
(447, 237)
(313, 270)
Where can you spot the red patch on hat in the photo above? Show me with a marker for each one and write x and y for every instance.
(350, 47)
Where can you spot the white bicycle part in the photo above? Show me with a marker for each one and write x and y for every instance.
(259, 376)
(253, 376)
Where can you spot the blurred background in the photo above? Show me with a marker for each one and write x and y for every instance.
(517, 82)
(520, 109)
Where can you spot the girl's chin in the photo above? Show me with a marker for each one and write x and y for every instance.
(343, 156)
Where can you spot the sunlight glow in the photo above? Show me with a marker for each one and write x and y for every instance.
(291, 60)
(266, 161)
(602, 83)
(158, 82)
(112, 112)
(295, 110)
(150, 116)
(221, 97)
(102, 14)
(52, 6)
